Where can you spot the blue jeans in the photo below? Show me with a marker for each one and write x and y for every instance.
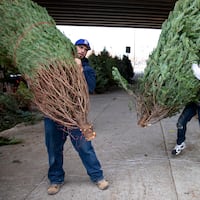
(55, 138)
(188, 112)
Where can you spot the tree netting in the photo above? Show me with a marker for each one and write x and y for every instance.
(31, 42)
(168, 83)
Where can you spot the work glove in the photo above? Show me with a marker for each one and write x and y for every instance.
(88, 132)
(196, 70)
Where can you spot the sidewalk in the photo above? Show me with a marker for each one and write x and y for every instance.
(136, 161)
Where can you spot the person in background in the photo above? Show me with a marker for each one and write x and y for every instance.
(187, 114)
(56, 136)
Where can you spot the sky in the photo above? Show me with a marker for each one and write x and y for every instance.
(115, 40)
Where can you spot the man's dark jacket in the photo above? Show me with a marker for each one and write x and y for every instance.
(90, 75)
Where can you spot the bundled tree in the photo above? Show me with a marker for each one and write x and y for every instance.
(45, 57)
(168, 83)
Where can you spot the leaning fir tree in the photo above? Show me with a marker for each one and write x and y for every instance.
(168, 83)
(45, 57)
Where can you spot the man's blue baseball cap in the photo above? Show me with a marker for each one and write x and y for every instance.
(83, 42)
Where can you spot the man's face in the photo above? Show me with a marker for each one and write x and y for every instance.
(81, 51)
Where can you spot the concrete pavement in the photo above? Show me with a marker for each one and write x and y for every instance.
(136, 161)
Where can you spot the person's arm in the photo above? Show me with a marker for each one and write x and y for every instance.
(196, 70)
(90, 77)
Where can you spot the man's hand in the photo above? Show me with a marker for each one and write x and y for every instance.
(78, 62)
(196, 70)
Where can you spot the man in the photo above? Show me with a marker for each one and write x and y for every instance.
(56, 136)
(187, 114)
(82, 47)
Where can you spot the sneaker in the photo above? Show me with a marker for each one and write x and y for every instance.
(178, 148)
(102, 184)
(54, 188)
